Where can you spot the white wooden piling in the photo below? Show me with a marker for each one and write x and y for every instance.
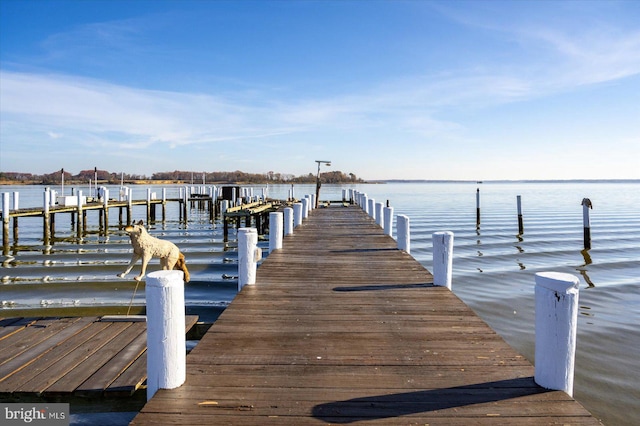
(379, 214)
(305, 207)
(276, 223)
(371, 208)
(16, 200)
(556, 326)
(166, 345)
(403, 233)
(288, 221)
(297, 214)
(79, 222)
(248, 256)
(586, 205)
(442, 258)
(365, 203)
(388, 220)
(5, 206)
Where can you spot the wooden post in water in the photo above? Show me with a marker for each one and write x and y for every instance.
(129, 205)
(16, 206)
(5, 222)
(403, 233)
(166, 345)
(442, 258)
(79, 224)
(276, 223)
(586, 205)
(184, 203)
(148, 205)
(106, 211)
(556, 316)
(520, 222)
(478, 208)
(288, 221)
(248, 256)
(164, 204)
(46, 226)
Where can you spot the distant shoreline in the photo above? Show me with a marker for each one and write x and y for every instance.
(379, 181)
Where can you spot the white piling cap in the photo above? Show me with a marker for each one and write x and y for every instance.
(557, 281)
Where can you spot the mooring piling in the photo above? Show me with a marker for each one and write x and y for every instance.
(556, 319)
(166, 354)
(586, 205)
(520, 221)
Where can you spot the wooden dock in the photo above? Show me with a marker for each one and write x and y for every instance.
(341, 327)
(79, 356)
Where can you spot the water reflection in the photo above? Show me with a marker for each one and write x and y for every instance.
(582, 268)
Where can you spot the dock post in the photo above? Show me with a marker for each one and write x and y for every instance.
(148, 205)
(403, 232)
(248, 256)
(46, 226)
(106, 211)
(556, 327)
(166, 341)
(442, 258)
(164, 205)
(379, 214)
(79, 224)
(297, 214)
(129, 205)
(478, 208)
(520, 222)
(305, 207)
(364, 203)
(371, 208)
(388, 220)
(5, 222)
(16, 206)
(586, 205)
(276, 222)
(288, 221)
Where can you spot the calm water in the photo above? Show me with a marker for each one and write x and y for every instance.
(494, 267)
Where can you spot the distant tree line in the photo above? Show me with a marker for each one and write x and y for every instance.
(176, 176)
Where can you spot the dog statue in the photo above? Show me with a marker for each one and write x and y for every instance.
(145, 247)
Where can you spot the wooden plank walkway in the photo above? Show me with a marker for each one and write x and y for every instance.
(342, 327)
(83, 356)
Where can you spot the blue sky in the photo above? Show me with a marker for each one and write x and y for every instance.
(383, 89)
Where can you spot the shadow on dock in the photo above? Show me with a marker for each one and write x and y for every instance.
(410, 403)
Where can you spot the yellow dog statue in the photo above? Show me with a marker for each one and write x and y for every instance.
(146, 247)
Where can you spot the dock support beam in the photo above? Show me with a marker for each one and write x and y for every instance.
(556, 327)
(166, 345)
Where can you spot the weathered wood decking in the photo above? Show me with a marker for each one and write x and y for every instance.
(341, 327)
(83, 356)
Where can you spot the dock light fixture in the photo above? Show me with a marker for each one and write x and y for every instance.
(328, 164)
